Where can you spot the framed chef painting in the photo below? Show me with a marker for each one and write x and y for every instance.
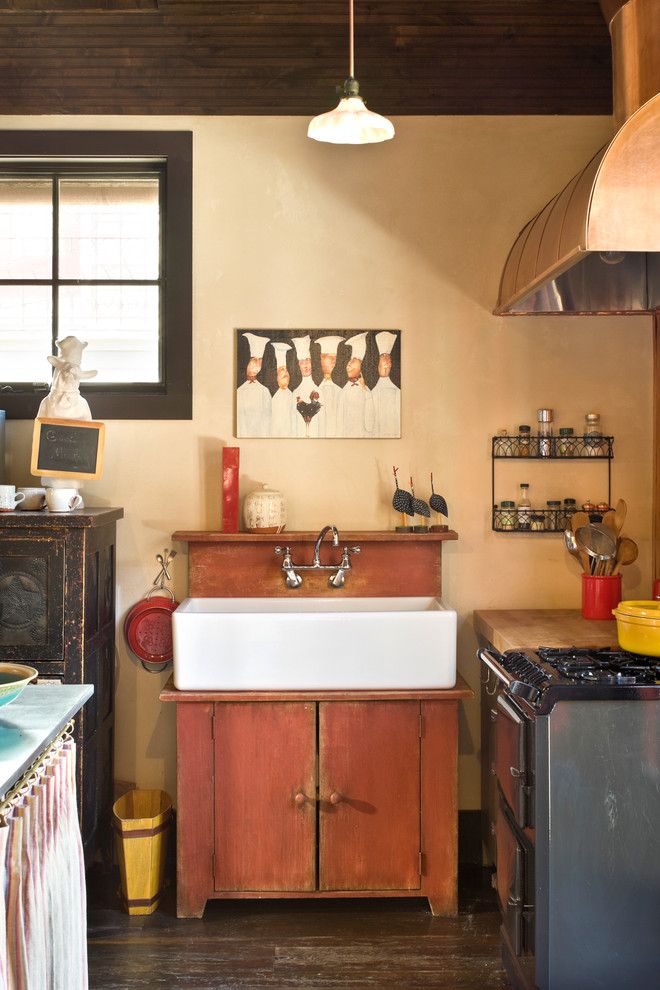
(318, 384)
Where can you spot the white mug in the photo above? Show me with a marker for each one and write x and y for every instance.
(62, 499)
(35, 499)
(9, 498)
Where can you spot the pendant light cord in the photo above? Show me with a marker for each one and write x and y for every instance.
(351, 61)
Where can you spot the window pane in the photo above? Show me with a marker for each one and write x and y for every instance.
(25, 333)
(26, 228)
(120, 323)
(109, 228)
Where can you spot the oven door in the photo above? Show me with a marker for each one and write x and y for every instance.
(515, 882)
(513, 760)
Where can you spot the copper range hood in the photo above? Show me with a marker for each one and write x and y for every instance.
(595, 247)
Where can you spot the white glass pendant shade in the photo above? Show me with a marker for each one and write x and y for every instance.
(350, 123)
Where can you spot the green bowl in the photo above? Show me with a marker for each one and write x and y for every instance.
(14, 678)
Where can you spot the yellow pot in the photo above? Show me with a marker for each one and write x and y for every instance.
(638, 627)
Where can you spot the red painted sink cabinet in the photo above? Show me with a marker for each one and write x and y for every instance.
(331, 794)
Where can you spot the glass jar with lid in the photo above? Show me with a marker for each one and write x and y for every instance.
(524, 441)
(568, 508)
(553, 515)
(544, 417)
(594, 444)
(502, 445)
(524, 507)
(565, 444)
(536, 523)
(507, 515)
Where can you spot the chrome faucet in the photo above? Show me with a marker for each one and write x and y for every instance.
(336, 580)
(319, 540)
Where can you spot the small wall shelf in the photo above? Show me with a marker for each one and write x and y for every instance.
(576, 448)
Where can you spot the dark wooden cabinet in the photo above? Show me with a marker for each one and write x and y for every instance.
(57, 613)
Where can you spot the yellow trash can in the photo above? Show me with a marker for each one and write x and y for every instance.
(141, 820)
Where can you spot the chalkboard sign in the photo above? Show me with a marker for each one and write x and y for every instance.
(67, 448)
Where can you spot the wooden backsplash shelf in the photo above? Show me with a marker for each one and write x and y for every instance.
(229, 565)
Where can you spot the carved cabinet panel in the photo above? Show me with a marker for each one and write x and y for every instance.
(31, 598)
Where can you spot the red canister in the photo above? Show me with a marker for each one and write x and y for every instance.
(600, 594)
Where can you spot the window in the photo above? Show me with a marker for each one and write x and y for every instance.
(96, 241)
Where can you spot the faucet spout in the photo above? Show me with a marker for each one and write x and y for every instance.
(319, 540)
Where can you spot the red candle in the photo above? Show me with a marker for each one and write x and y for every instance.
(230, 462)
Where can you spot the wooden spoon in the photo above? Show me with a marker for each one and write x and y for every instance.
(609, 519)
(579, 519)
(626, 554)
(620, 513)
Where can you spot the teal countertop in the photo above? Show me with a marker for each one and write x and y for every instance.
(29, 725)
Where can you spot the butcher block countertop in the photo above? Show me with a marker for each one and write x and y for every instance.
(515, 629)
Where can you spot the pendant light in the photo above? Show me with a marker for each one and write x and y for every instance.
(350, 122)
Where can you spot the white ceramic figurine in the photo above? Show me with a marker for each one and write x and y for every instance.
(64, 400)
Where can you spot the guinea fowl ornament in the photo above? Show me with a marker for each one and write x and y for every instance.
(402, 502)
(438, 505)
(421, 508)
(308, 410)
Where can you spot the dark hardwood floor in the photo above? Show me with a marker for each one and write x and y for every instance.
(254, 945)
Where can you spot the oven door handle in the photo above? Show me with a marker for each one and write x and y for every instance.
(491, 660)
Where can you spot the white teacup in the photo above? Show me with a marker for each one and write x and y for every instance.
(62, 499)
(35, 499)
(9, 498)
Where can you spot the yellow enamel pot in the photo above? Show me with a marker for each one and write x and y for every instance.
(638, 627)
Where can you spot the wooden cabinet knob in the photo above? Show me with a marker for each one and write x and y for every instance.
(300, 799)
(335, 797)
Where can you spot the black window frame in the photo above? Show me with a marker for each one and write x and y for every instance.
(172, 151)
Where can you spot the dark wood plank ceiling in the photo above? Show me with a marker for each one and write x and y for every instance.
(287, 56)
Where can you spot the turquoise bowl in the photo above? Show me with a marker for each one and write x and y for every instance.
(14, 678)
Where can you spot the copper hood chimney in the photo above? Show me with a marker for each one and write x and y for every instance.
(595, 247)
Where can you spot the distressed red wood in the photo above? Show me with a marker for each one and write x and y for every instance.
(230, 473)
(440, 805)
(386, 566)
(369, 795)
(195, 818)
(265, 796)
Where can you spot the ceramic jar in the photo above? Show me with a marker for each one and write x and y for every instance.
(264, 511)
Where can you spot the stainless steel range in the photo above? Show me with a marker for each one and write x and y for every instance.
(575, 756)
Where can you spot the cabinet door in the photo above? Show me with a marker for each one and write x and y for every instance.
(265, 796)
(31, 598)
(369, 791)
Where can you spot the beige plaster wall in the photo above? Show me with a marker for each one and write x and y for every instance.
(413, 235)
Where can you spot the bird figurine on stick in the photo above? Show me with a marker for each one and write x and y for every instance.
(421, 508)
(439, 506)
(308, 410)
(402, 501)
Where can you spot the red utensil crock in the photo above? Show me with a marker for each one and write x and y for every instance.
(600, 594)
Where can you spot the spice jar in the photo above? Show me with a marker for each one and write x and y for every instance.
(588, 506)
(536, 524)
(552, 516)
(524, 441)
(524, 507)
(569, 507)
(507, 515)
(565, 444)
(593, 437)
(502, 446)
(544, 417)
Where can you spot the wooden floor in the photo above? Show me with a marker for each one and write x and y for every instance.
(254, 945)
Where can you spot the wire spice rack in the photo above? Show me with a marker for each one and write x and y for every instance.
(555, 448)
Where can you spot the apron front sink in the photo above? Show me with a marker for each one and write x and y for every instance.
(286, 644)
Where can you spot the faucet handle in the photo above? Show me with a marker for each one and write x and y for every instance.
(354, 550)
(284, 550)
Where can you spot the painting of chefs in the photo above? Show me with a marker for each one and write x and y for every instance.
(318, 384)
(356, 405)
(329, 392)
(253, 400)
(386, 395)
(283, 413)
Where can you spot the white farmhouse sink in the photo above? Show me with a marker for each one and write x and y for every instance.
(275, 644)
